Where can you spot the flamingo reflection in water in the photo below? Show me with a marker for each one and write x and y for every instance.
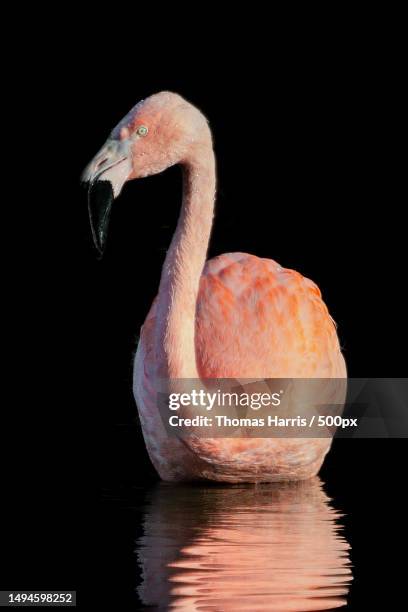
(273, 547)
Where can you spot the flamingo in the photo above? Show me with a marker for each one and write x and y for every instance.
(234, 316)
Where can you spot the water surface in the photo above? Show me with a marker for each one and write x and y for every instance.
(275, 547)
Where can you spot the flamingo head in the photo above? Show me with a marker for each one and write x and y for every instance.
(157, 133)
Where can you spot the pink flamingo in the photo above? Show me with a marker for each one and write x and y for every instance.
(234, 316)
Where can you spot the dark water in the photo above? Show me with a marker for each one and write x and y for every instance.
(270, 547)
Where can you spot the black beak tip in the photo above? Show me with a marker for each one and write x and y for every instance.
(99, 251)
(100, 198)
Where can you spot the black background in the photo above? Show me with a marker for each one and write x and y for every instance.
(309, 173)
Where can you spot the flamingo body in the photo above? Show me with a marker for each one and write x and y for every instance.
(254, 319)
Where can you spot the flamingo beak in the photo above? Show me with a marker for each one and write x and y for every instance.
(105, 176)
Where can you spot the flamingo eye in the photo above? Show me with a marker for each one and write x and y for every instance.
(142, 130)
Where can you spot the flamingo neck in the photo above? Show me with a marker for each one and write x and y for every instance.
(182, 269)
